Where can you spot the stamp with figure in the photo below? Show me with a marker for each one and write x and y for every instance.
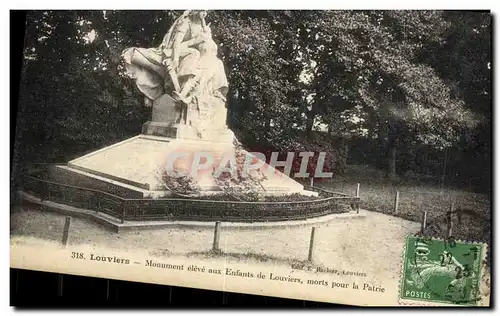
(437, 271)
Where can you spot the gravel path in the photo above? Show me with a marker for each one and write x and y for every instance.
(372, 245)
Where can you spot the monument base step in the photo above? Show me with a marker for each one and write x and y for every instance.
(139, 163)
(184, 131)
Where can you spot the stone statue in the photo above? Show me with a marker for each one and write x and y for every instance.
(183, 77)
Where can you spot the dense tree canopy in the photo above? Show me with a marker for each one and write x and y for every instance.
(398, 80)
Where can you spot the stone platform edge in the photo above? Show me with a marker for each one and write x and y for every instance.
(116, 226)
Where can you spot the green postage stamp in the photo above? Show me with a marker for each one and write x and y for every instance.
(441, 272)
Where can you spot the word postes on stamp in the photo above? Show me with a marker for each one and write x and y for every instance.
(440, 272)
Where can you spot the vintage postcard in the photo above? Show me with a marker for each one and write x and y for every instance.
(326, 155)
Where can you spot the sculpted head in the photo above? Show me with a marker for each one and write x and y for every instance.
(197, 14)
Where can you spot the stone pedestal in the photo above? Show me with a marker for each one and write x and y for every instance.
(166, 110)
(159, 129)
(170, 119)
(138, 163)
(184, 131)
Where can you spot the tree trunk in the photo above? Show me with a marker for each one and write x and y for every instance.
(310, 118)
(372, 123)
(380, 149)
(391, 160)
(392, 148)
(344, 153)
(310, 121)
(267, 124)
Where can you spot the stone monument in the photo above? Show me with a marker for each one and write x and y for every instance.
(183, 80)
(185, 84)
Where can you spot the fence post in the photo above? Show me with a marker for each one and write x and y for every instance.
(59, 285)
(450, 217)
(66, 231)
(98, 208)
(357, 195)
(423, 224)
(312, 181)
(311, 245)
(215, 246)
(396, 202)
(43, 193)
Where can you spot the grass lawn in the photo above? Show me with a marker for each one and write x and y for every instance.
(378, 194)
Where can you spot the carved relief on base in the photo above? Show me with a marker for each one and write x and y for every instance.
(203, 119)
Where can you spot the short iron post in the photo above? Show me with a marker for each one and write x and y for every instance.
(450, 218)
(311, 245)
(396, 202)
(66, 231)
(215, 246)
(423, 224)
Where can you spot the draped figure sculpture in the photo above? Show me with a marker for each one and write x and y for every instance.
(184, 66)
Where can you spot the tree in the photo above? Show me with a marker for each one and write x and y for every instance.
(375, 58)
(464, 60)
(257, 49)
